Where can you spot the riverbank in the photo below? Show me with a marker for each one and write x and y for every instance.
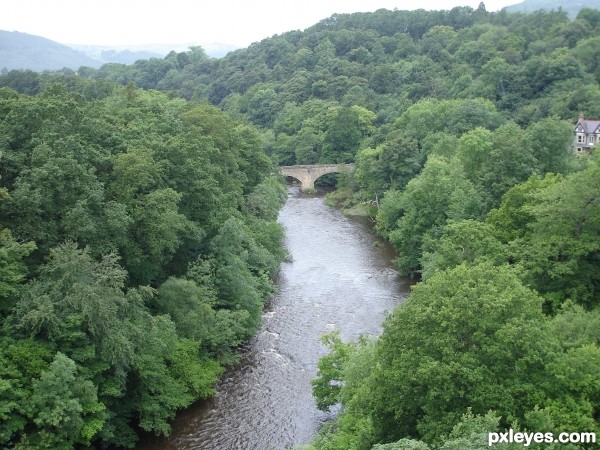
(337, 280)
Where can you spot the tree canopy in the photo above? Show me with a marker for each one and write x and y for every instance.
(138, 238)
(138, 243)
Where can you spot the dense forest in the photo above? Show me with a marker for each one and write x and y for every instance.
(137, 247)
(139, 232)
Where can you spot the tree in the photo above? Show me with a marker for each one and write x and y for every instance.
(468, 337)
(550, 141)
(307, 145)
(135, 173)
(471, 433)
(234, 254)
(587, 53)
(188, 305)
(558, 66)
(158, 386)
(474, 149)
(369, 172)
(402, 444)
(12, 268)
(191, 305)
(21, 362)
(401, 159)
(439, 193)
(562, 252)
(44, 194)
(327, 385)
(513, 219)
(64, 407)
(117, 193)
(79, 305)
(462, 242)
(158, 229)
(389, 166)
(266, 199)
(509, 162)
(262, 105)
(343, 137)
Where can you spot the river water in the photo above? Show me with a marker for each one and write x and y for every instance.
(337, 279)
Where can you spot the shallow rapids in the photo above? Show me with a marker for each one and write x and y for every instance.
(336, 279)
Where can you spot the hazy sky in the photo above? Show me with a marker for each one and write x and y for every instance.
(237, 22)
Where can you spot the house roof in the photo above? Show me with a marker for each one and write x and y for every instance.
(589, 126)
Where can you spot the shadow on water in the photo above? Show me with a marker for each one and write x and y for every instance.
(337, 279)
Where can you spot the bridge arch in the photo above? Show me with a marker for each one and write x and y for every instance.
(308, 174)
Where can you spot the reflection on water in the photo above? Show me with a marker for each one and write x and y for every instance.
(337, 280)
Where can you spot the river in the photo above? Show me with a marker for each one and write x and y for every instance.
(337, 279)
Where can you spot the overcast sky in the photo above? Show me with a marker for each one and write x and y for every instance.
(236, 22)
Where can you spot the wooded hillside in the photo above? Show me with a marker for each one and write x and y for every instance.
(460, 123)
(137, 247)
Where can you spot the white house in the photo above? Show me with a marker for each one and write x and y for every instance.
(587, 134)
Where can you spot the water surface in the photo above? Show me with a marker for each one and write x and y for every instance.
(337, 279)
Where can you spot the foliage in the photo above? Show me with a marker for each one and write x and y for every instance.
(475, 327)
(470, 352)
(65, 408)
(560, 252)
(466, 241)
(138, 245)
(139, 239)
(13, 270)
(440, 192)
(326, 386)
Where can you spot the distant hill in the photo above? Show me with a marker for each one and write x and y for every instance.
(129, 54)
(26, 51)
(117, 54)
(571, 7)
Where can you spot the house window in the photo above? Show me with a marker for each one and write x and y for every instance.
(591, 139)
(580, 138)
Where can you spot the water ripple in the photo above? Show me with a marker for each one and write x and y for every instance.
(337, 281)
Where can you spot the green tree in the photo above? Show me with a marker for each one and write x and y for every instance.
(562, 251)
(238, 287)
(79, 306)
(327, 385)
(466, 241)
(512, 219)
(509, 162)
(474, 149)
(21, 362)
(402, 444)
(188, 305)
(551, 144)
(369, 172)
(266, 199)
(135, 173)
(158, 229)
(343, 137)
(158, 387)
(64, 407)
(439, 193)
(389, 166)
(12, 269)
(468, 337)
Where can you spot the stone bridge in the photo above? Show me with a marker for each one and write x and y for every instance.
(308, 174)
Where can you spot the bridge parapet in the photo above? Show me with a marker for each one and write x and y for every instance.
(309, 173)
